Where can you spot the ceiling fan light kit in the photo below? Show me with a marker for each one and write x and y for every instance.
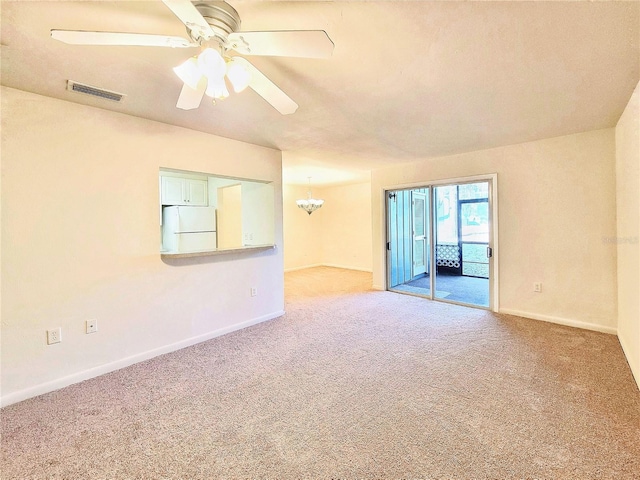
(189, 72)
(214, 27)
(212, 68)
(238, 75)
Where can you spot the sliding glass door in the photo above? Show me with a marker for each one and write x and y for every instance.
(439, 242)
(462, 243)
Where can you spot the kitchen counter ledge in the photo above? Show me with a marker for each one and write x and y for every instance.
(249, 248)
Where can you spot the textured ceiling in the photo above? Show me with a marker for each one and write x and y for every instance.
(407, 80)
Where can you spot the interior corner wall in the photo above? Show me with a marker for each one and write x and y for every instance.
(556, 211)
(627, 238)
(336, 235)
(81, 240)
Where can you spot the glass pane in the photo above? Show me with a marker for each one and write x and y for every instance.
(447, 215)
(475, 269)
(471, 191)
(474, 252)
(474, 260)
(418, 216)
(419, 253)
(474, 221)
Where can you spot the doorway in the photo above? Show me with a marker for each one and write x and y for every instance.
(440, 241)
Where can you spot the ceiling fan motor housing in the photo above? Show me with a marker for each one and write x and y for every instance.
(222, 18)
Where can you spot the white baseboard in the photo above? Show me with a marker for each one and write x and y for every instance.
(125, 362)
(561, 321)
(634, 366)
(346, 267)
(378, 287)
(293, 269)
(328, 265)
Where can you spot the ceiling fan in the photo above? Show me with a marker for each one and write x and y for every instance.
(213, 26)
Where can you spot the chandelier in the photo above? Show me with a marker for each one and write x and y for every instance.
(309, 204)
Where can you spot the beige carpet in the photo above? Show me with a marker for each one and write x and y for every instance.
(349, 384)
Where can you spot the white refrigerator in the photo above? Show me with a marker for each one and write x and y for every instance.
(188, 229)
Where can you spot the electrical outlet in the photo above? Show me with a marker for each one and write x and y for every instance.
(254, 291)
(537, 287)
(54, 335)
(91, 326)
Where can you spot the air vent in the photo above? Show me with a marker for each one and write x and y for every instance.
(95, 91)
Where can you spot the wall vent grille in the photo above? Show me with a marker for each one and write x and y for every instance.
(94, 91)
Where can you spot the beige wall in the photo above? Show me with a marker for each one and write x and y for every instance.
(81, 239)
(628, 231)
(346, 226)
(556, 206)
(302, 232)
(338, 234)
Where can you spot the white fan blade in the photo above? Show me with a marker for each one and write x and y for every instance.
(78, 37)
(294, 43)
(267, 89)
(190, 98)
(190, 16)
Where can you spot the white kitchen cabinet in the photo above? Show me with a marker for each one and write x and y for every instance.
(196, 192)
(184, 191)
